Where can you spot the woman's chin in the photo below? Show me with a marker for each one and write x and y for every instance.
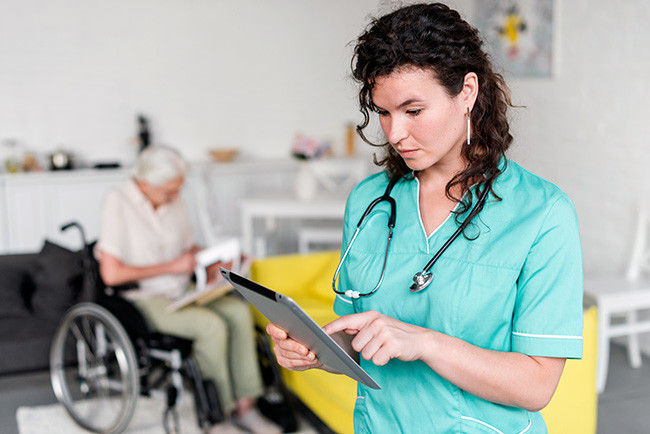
(414, 164)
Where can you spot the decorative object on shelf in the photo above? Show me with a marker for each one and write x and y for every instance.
(12, 157)
(350, 139)
(30, 163)
(223, 155)
(306, 185)
(61, 160)
(307, 148)
(144, 135)
(107, 165)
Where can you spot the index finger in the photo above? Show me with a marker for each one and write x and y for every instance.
(350, 324)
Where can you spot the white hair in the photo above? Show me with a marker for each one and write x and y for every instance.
(158, 165)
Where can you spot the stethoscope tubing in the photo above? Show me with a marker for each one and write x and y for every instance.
(391, 224)
(461, 228)
(423, 278)
(356, 294)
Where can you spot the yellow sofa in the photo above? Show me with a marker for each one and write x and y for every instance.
(307, 279)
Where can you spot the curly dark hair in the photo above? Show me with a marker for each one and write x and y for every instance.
(435, 37)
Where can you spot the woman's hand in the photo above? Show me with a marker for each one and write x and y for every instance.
(508, 378)
(380, 338)
(213, 273)
(289, 353)
(184, 263)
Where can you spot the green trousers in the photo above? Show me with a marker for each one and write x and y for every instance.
(224, 342)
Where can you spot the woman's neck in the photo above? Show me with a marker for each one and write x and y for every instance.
(436, 177)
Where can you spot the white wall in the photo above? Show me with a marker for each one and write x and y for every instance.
(588, 128)
(247, 73)
(252, 73)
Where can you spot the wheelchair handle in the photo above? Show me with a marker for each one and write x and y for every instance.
(67, 226)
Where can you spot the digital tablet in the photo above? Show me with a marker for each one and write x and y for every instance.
(286, 314)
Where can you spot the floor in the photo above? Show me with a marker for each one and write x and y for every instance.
(624, 407)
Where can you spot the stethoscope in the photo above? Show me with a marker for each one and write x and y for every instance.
(422, 279)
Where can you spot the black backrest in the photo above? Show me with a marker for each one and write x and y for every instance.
(127, 314)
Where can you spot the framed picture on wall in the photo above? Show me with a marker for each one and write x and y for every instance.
(518, 35)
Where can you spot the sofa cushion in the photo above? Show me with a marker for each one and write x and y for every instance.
(321, 285)
(25, 344)
(310, 284)
(308, 280)
(16, 285)
(58, 280)
(311, 275)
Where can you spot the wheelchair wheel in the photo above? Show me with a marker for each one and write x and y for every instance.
(94, 370)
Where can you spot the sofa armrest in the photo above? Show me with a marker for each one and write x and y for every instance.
(574, 407)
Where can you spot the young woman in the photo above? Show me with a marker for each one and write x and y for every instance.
(465, 333)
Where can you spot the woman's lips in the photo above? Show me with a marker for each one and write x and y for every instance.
(407, 153)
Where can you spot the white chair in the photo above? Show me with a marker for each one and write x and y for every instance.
(620, 300)
(311, 239)
(339, 175)
(336, 176)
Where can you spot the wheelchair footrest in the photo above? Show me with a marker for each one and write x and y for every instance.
(215, 412)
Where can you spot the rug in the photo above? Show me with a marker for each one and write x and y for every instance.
(147, 419)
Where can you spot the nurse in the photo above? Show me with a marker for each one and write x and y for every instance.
(482, 348)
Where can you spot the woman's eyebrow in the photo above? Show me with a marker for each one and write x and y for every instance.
(408, 102)
(403, 104)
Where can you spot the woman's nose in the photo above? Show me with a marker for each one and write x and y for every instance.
(395, 130)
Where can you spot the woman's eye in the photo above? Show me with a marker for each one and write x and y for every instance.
(414, 112)
(382, 113)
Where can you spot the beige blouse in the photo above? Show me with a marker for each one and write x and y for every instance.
(137, 235)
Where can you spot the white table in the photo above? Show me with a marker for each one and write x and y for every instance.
(273, 208)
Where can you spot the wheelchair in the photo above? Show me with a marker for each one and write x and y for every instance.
(104, 356)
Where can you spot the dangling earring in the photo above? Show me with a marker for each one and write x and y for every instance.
(469, 126)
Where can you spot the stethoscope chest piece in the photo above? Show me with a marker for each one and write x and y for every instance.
(420, 281)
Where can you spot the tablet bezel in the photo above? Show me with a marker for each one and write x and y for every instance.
(284, 312)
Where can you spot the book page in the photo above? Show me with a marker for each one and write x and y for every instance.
(213, 290)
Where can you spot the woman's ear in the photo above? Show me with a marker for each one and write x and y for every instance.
(470, 90)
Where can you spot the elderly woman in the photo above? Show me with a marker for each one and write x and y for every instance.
(146, 238)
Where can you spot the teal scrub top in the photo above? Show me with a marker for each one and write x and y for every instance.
(515, 286)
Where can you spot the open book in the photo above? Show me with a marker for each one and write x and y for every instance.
(213, 290)
(227, 251)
